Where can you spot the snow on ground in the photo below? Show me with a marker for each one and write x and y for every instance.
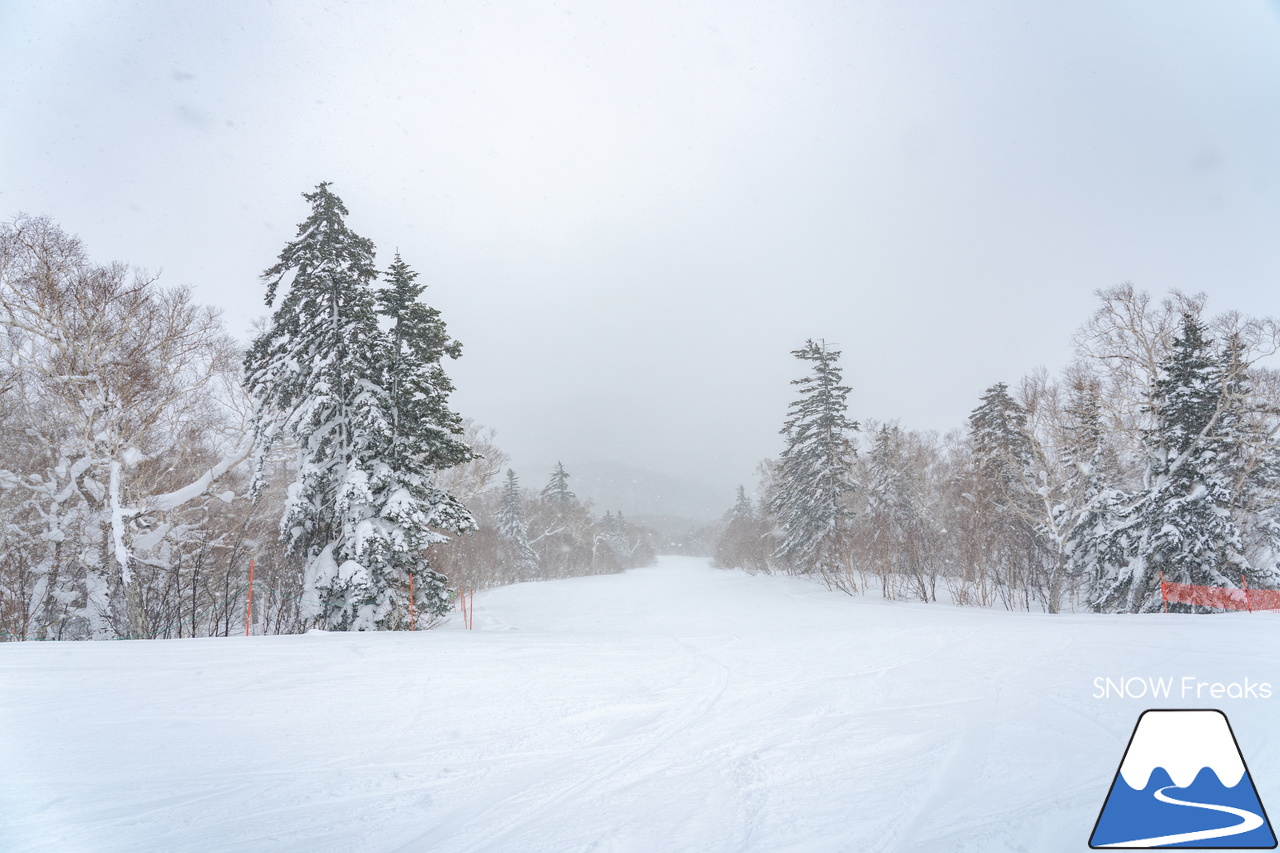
(673, 708)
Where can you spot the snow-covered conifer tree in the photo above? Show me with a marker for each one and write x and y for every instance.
(622, 542)
(563, 529)
(425, 428)
(611, 550)
(813, 476)
(1250, 458)
(741, 545)
(1006, 493)
(1092, 500)
(1084, 448)
(360, 404)
(517, 555)
(887, 489)
(744, 509)
(412, 509)
(1180, 523)
(605, 556)
(891, 518)
(557, 491)
(1001, 446)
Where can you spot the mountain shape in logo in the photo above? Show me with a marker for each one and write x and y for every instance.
(1183, 783)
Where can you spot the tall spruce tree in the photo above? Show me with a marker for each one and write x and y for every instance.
(563, 531)
(425, 428)
(1001, 445)
(887, 488)
(617, 531)
(412, 511)
(608, 544)
(516, 554)
(1180, 524)
(740, 545)
(1085, 449)
(1250, 458)
(891, 520)
(324, 374)
(1094, 501)
(557, 492)
(1006, 494)
(814, 475)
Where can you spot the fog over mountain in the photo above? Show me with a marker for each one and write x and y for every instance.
(631, 212)
(647, 495)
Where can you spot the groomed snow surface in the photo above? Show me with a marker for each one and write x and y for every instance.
(673, 708)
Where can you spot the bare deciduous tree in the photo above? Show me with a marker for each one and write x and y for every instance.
(127, 418)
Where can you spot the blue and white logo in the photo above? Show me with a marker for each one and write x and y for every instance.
(1183, 783)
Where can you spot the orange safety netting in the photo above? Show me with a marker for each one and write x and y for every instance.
(1220, 597)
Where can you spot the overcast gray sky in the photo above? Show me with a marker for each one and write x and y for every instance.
(631, 212)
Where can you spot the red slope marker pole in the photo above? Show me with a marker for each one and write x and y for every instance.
(248, 608)
(413, 621)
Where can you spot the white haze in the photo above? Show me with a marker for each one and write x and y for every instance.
(630, 210)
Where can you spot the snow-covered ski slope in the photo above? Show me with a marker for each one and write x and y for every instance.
(673, 708)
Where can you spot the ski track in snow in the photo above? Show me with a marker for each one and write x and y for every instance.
(673, 708)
